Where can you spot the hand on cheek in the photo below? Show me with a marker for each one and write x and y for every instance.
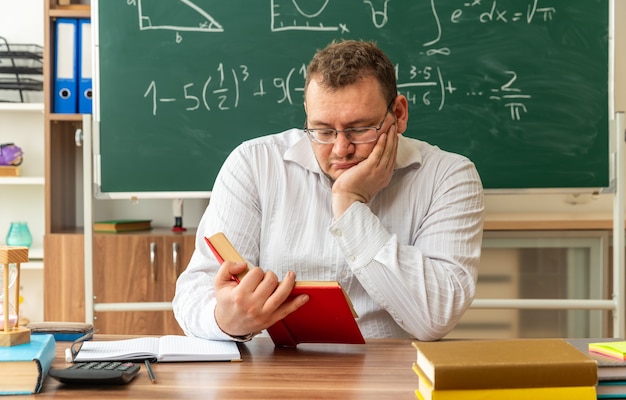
(363, 181)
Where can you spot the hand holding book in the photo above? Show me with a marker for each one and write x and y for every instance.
(328, 316)
(249, 304)
(223, 250)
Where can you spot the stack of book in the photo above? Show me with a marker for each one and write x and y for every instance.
(512, 369)
(610, 354)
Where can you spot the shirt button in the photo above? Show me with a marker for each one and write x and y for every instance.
(352, 258)
(338, 233)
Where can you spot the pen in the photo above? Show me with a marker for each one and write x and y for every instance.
(150, 372)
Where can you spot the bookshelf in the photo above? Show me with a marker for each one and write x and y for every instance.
(152, 258)
(63, 231)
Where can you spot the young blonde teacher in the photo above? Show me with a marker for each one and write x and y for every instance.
(349, 198)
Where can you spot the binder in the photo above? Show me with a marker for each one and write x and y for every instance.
(84, 66)
(65, 66)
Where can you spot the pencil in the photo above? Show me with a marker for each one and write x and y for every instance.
(150, 371)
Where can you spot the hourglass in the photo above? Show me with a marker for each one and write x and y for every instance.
(11, 333)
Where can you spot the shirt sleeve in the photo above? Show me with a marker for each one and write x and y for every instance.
(232, 210)
(427, 285)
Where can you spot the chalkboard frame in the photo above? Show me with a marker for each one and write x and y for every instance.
(100, 192)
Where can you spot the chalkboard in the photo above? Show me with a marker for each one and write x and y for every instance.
(521, 87)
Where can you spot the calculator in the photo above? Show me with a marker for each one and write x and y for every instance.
(97, 372)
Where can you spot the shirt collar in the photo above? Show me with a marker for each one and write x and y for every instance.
(409, 153)
(302, 154)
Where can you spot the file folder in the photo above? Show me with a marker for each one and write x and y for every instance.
(65, 66)
(84, 66)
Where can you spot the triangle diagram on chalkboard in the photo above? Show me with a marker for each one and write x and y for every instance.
(178, 15)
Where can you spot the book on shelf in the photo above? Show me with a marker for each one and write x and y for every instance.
(504, 363)
(168, 348)
(122, 225)
(328, 316)
(425, 391)
(23, 367)
(9, 170)
(609, 368)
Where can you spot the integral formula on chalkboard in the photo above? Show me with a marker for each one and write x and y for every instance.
(223, 88)
(521, 87)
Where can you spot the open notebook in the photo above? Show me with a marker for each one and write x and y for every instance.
(169, 348)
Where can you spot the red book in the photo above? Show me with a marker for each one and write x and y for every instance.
(328, 316)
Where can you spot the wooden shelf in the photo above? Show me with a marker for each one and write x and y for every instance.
(35, 253)
(23, 180)
(66, 117)
(26, 107)
(35, 265)
(71, 11)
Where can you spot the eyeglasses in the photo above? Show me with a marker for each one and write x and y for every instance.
(365, 134)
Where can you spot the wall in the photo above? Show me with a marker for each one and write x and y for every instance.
(22, 23)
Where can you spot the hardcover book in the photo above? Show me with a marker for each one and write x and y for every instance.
(122, 225)
(506, 363)
(9, 170)
(611, 390)
(609, 368)
(328, 316)
(425, 391)
(24, 367)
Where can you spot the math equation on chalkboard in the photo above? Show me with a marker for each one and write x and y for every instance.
(223, 87)
(495, 80)
(220, 93)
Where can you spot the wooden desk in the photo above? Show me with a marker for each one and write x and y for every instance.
(380, 369)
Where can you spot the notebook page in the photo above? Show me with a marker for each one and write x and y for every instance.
(139, 348)
(187, 348)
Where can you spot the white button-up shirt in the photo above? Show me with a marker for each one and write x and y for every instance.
(408, 259)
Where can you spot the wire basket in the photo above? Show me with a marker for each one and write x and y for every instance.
(21, 70)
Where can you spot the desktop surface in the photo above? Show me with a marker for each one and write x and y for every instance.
(379, 369)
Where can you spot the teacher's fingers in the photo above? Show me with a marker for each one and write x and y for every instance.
(228, 270)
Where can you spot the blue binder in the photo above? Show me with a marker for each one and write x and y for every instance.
(65, 66)
(84, 66)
